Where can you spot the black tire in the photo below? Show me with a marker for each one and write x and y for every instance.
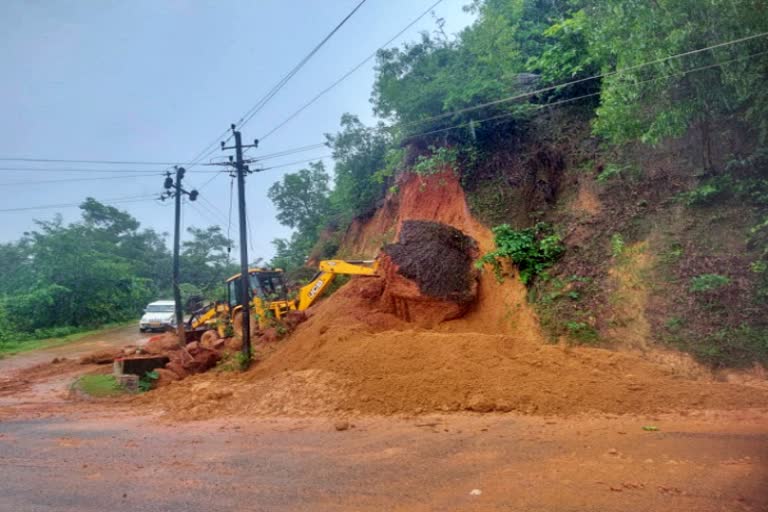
(141, 329)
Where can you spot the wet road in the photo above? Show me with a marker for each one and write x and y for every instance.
(90, 463)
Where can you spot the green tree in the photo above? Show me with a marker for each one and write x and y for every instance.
(359, 153)
(302, 202)
(301, 198)
(666, 99)
(205, 262)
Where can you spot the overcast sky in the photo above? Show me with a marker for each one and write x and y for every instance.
(158, 80)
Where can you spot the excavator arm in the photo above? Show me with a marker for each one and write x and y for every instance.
(327, 272)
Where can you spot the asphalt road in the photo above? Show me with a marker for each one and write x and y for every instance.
(113, 461)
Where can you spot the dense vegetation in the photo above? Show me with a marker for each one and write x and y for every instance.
(586, 90)
(465, 92)
(99, 270)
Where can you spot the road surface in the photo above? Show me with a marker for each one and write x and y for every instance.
(116, 462)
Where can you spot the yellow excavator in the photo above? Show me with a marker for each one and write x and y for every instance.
(270, 296)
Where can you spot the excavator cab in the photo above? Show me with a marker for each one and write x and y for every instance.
(267, 292)
(267, 285)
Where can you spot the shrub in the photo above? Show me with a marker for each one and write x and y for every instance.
(442, 158)
(617, 245)
(532, 250)
(708, 282)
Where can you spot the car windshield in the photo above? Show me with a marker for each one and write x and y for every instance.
(159, 309)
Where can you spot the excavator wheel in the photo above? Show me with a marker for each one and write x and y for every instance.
(237, 324)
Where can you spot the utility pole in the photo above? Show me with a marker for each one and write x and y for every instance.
(175, 190)
(245, 279)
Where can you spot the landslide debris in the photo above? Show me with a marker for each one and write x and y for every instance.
(368, 361)
(438, 258)
(361, 352)
(428, 274)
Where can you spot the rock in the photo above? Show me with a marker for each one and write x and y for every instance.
(102, 356)
(613, 451)
(233, 344)
(341, 425)
(193, 347)
(479, 403)
(475, 492)
(165, 377)
(161, 344)
(177, 368)
(209, 339)
(203, 360)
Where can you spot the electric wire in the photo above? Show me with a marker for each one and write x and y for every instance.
(572, 82)
(276, 88)
(348, 73)
(80, 170)
(69, 161)
(132, 199)
(70, 180)
(210, 149)
(570, 100)
(621, 71)
(390, 127)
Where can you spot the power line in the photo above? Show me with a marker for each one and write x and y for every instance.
(69, 161)
(569, 100)
(348, 73)
(99, 171)
(212, 147)
(69, 180)
(134, 199)
(216, 175)
(322, 157)
(538, 91)
(280, 84)
(287, 152)
(572, 82)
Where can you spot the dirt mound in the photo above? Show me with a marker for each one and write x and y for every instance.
(228, 394)
(438, 258)
(371, 362)
(428, 274)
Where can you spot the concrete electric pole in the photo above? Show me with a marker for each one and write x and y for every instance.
(174, 189)
(245, 286)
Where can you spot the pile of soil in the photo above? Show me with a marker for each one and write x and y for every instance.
(374, 363)
(438, 258)
(428, 275)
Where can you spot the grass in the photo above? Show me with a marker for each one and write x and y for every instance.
(98, 386)
(9, 348)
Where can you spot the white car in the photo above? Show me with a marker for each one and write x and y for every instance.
(158, 316)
